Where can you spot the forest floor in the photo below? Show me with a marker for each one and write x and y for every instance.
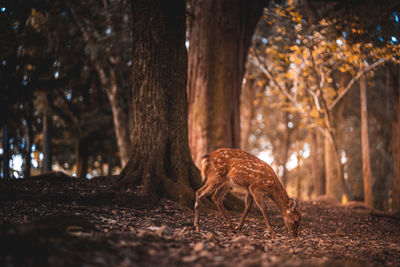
(55, 220)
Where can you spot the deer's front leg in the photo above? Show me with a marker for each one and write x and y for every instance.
(259, 198)
(248, 205)
(207, 189)
(218, 199)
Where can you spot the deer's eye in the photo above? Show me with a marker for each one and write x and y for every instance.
(296, 222)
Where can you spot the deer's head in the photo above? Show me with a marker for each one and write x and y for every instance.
(292, 218)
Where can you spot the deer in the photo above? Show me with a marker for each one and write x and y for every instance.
(227, 168)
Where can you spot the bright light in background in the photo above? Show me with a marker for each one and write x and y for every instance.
(343, 157)
(306, 151)
(56, 74)
(35, 164)
(266, 156)
(396, 17)
(292, 162)
(290, 124)
(16, 162)
(339, 42)
(3, 9)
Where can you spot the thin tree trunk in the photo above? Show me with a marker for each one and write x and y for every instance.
(317, 177)
(120, 120)
(247, 110)
(47, 150)
(109, 165)
(366, 165)
(395, 75)
(29, 139)
(338, 159)
(161, 160)
(6, 153)
(82, 157)
(286, 146)
(220, 36)
(334, 187)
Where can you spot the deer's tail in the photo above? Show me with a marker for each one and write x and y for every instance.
(204, 167)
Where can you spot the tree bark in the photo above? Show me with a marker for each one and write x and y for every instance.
(247, 110)
(29, 139)
(161, 161)
(366, 165)
(395, 77)
(220, 36)
(6, 153)
(47, 150)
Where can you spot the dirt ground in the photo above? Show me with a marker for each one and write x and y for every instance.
(59, 221)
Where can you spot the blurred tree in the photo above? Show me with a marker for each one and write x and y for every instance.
(366, 164)
(29, 138)
(161, 162)
(105, 29)
(6, 153)
(394, 72)
(301, 60)
(46, 133)
(248, 105)
(317, 170)
(220, 36)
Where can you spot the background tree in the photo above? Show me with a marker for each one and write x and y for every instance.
(395, 83)
(220, 35)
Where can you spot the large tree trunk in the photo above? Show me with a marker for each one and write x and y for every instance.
(6, 152)
(47, 151)
(395, 75)
(160, 160)
(366, 165)
(29, 139)
(220, 36)
(247, 110)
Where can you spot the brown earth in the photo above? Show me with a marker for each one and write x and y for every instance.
(60, 221)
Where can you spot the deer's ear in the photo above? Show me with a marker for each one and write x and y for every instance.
(292, 204)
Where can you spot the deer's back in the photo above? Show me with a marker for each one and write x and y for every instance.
(241, 167)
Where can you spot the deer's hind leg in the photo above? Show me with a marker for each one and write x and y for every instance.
(218, 199)
(248, 204)
(205, 190)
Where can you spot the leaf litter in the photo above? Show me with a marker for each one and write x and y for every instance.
(55, 220)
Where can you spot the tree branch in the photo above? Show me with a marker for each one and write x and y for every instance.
(261, 64)
(360, 74)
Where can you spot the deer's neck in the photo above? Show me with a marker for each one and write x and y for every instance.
(281, 198)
